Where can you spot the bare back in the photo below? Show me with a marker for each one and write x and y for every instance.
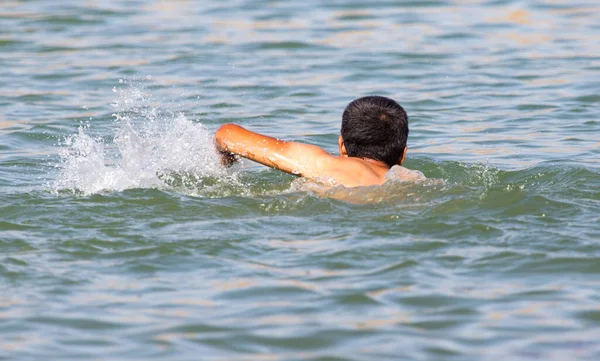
(352, 172)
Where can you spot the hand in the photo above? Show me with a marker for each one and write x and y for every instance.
(227, 158)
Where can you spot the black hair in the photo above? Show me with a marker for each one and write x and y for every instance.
(375, 127)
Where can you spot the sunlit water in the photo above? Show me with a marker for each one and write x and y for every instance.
(121, 237)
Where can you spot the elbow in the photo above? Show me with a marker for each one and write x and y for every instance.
(223, 130)
(223, 134)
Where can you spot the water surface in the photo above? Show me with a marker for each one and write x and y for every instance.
(122, 238)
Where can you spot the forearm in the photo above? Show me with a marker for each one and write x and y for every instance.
(260, 148)
(235, 139)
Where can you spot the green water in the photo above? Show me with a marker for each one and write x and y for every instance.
(122, 239)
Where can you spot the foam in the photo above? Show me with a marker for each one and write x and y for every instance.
(148, 148)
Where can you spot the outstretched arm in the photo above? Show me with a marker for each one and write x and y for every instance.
(290, 157)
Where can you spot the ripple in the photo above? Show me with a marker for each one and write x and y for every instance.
(498, 261)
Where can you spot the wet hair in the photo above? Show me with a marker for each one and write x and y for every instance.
(375, 127)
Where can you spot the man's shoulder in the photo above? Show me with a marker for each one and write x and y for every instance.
(399, 173)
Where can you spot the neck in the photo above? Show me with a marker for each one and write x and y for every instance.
(378, 163)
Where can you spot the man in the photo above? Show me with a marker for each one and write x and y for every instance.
(372, 141)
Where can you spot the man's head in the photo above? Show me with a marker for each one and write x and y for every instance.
(375, 127)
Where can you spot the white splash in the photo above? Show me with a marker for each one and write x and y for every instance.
(147, 150)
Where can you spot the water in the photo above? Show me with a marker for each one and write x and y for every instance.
(121, 237)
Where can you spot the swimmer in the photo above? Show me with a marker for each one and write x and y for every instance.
(372, 147)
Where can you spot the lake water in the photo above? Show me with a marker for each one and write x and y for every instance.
(122, 239)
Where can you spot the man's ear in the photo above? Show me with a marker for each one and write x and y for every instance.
(401, 159)
(342, 147)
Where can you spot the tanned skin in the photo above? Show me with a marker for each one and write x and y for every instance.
(300, 159)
